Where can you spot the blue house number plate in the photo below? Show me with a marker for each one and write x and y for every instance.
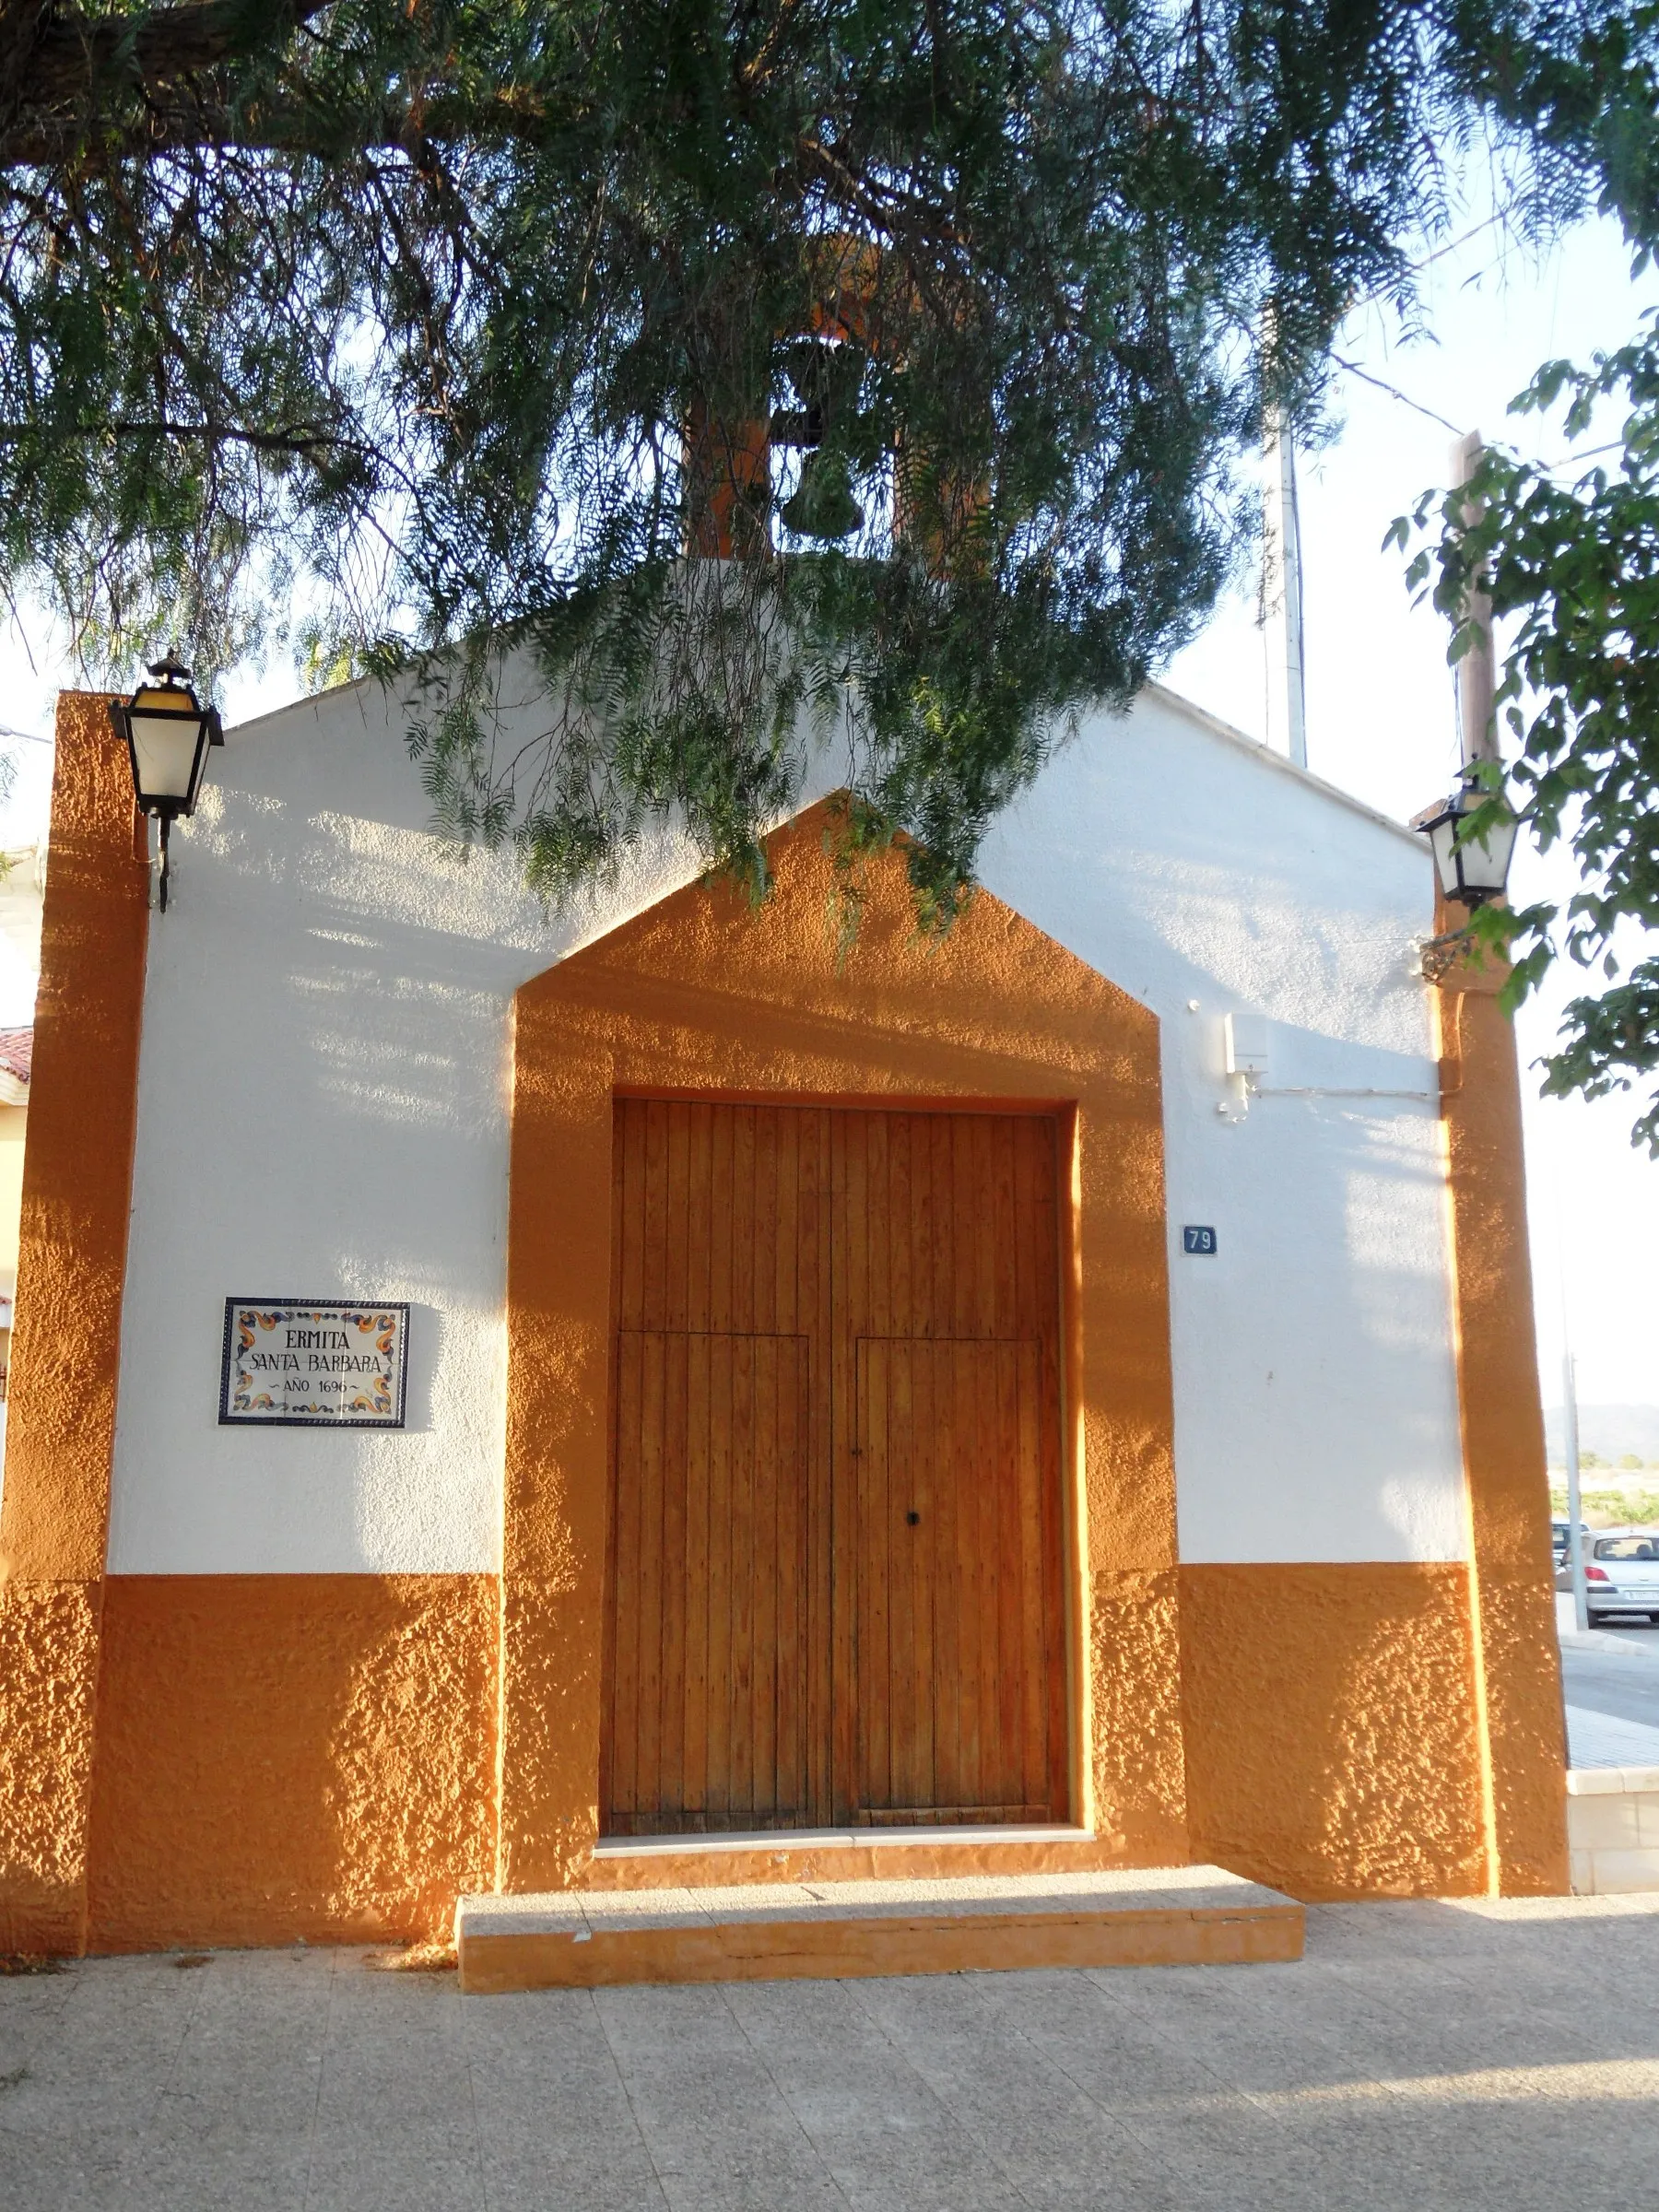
(1197, 1240)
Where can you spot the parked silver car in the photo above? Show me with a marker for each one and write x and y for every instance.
(1557, 1542)
(1621, 1572)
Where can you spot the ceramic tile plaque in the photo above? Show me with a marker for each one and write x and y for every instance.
(297, 1363)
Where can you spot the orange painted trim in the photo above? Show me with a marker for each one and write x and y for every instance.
(700, 995)
(77, 1168)
(288, 1757)
(1332, 1741)
(852, 1950)
(65, 1346)
(1515, 1658)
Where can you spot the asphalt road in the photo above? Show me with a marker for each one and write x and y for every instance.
(1617, 1672)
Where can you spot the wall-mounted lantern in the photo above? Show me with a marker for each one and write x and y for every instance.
(166, 732)
(1471, 869)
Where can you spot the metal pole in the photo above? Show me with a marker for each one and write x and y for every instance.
(1575, 1549)
(1477, 673)
(1282, 593)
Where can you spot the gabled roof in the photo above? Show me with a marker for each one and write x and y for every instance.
(1279, 762)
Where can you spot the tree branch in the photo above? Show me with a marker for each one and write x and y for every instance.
(65, 77)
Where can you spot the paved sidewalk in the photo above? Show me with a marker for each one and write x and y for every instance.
(1421, 2058)
(1600, 1739)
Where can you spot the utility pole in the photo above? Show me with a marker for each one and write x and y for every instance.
(1575, 1549)
(1282, 593)
(1476, 675)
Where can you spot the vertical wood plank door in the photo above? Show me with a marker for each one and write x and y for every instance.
(962, 1676)
(835, 1585)
(708, 1727)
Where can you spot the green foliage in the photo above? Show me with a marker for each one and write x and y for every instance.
(1610, 1509)
(388, 330)
(1574, 568)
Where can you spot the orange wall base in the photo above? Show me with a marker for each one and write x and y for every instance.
(47, 1676)
(284, 1756)
(293, 1755)
(1330, 1736)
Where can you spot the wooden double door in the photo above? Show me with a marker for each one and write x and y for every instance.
(835, 1571)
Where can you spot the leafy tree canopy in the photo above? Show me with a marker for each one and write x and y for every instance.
(1573, 570)
(884, 359)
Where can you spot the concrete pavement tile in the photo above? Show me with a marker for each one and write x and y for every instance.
(1048, 2002)
(1324, 2037)
(538, 2066)
(32, 2005)
(1037, 2127)
(1398, 2070)
(736, 2168)
(569, 2142)
(650, 2016)
(679, 2090)
(882, 2127)
(374, 2164)
(928, 2171)
(1497, 2157)
(224, 2165)
(719, 2133)
(941, 2005)
(93, 2085)
(862, 2092)
(521, 2115)
(1127, 2064)
(1394, 1929)
(789, 2018)
(568, 2173)
(419, 2104)
(44, 2172)
(548, 2021)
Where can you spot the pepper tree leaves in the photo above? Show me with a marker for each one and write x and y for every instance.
(1573, 566)
(447, 323)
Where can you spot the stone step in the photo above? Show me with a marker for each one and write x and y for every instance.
(811, 1855)
(788, 1931)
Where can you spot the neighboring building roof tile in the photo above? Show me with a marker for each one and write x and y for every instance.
(16, 1054)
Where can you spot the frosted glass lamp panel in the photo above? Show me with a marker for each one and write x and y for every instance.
(166, 745)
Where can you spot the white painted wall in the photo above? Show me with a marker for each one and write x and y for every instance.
(324, 1100)
(1315, 1386)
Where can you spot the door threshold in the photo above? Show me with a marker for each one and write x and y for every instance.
(831, 1839)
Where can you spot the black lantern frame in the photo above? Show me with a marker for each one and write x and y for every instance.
(1471, 870)
(168, 734)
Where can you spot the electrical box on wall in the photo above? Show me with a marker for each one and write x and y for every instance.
(1246, 1044)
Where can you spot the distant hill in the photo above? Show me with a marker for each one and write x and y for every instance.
(1610, 1431)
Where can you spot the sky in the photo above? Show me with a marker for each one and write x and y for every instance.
(1381, 716)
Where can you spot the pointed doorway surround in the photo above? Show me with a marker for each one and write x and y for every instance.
(701, 1001)
(835, 1565)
